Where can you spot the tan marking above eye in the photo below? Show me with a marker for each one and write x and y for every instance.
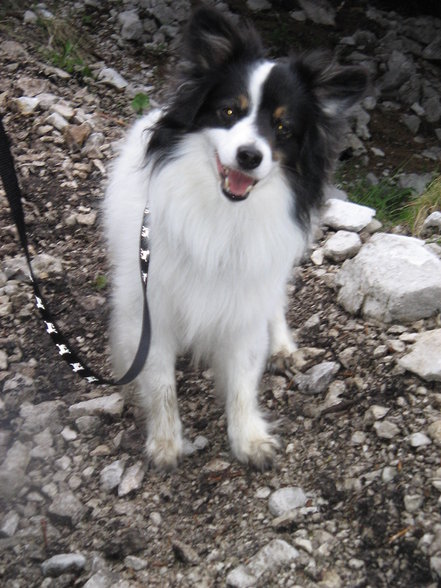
(243, 102)
(279, 112)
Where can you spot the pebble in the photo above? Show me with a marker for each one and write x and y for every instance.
(317, 379)
(424, 358)
(216, 465)
(184, 552)
(375, 413)
(135, 563)
(348, 216)
(66, 509)
(342, 245)
(386, 429)
(57, 121)
(13, 469)
(286, 499)
(110, 476)
(26, 105)
(132, 479)
(112, 78)
(419, 440)
(63, 563)
(9, 524)
(112, 405)
(413, 502)
(434, 431)
(274, 554)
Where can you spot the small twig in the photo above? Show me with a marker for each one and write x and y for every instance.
(399, 534)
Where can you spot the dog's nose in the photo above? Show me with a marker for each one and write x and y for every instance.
(248, 157)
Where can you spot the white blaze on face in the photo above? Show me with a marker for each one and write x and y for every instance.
(226, 142)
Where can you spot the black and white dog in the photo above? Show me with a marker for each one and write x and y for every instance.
(231, 169)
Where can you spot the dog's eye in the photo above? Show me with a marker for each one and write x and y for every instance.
(228, 114)
(283, 129)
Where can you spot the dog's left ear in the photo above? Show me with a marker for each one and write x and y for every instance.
(212, 40)
(335, 86)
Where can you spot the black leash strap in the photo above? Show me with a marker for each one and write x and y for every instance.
(65, 350)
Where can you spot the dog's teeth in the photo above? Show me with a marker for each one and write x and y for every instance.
(227, 183)
(248, 190)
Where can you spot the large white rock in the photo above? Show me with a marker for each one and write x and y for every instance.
(392, 278)
(425, 357)
(349, 216)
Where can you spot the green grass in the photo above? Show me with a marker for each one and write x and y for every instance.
(389, 200)
(418, 209)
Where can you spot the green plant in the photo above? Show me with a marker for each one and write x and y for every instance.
(418, 209)
(70, 61)
(140, 103)
(388, 199)
(100, 282)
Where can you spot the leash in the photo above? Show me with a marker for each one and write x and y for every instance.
(65, 349)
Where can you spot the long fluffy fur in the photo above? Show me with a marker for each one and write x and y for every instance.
(218, 268)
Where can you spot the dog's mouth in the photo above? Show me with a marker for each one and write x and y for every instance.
(234, 184)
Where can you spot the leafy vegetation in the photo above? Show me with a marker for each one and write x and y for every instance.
(140, 103)
(387, 197)
(419, 209)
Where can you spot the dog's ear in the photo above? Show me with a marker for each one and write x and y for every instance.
(335, 86)
(211, 40)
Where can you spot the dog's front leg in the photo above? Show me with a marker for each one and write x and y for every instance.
(238, 368)
(158, 395)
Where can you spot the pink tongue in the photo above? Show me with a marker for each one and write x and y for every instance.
(239, 182)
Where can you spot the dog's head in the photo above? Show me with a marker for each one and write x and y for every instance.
(260, 116)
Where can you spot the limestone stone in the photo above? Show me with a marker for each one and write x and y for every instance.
(424, 358)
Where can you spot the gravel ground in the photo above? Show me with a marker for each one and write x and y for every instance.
(362, 454)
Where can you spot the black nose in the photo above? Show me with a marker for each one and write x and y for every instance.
(249, 157)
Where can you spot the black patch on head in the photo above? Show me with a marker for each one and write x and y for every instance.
(215, 53)
(302, 109)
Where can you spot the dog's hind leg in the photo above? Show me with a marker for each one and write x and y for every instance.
(238, 367)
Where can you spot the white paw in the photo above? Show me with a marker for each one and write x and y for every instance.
(253, 445)
(164, 454)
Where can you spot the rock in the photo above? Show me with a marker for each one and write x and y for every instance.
(332, 192)
(66, 509)
(9, 524)
(131, 25)
(412, 122)
(63, 563)
(286, 499)
(424, 358)
(433, 220)
(76, 135)
(400, 68)
(136, 563)
(274, 554)
(30, 17)
(392, 278)
(434, 431)
(88, 425)
(318, 256)
(111, 475)
(38, 417)
(375, 413)
(13, 469)
(216, 465)
(132, 479)
(319, 11)
(433, 51)
(419, 440)
(317, 379)
(112, 78)
(200, 443)
(57, 121)
(416, 182)
(413, 502)
(258, 5)
(435, 566)
(342, 245)
(112, 405)
(185, 553)
(26, 105)
(338, 214)
(386, 429)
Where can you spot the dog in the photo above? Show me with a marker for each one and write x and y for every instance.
(232, 169)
